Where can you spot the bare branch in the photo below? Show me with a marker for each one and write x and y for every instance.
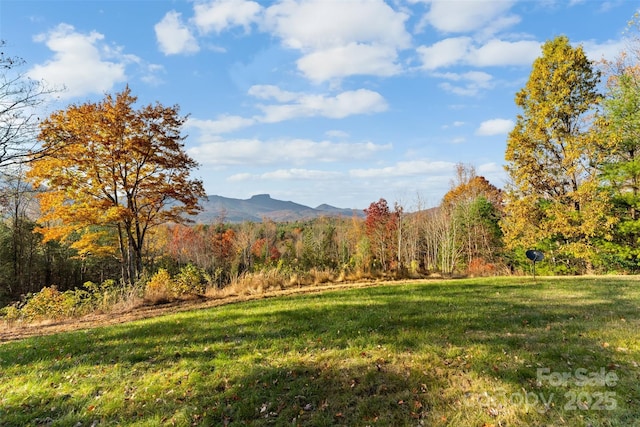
(20, 99)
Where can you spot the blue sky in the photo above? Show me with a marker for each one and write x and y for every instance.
(320, 101)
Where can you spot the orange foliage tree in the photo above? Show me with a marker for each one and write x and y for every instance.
(474, 207)
(381, 227)
(468, 187)
(111, 174)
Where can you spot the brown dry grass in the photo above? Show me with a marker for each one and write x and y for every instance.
(11, 331)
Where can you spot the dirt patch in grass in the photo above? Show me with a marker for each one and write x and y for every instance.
(11, 331)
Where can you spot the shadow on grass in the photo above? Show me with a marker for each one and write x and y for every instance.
(395, 355)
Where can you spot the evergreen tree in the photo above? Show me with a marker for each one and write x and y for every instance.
(620, 136)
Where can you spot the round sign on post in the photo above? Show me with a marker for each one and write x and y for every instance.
(534, 256)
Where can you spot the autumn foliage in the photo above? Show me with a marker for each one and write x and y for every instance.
(381, 226)
(552, 156)
(115, 192)
(111, 174)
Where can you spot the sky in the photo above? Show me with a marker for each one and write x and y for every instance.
(340, 102)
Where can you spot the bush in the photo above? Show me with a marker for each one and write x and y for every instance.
(478, 267)
(160, 288)
(189, 281)
(103, 296)
(49, 303)
(10, 313)
(78, 302)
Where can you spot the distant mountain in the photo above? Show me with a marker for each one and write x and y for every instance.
(262, 206)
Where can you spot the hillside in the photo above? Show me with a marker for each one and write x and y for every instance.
(262, 206)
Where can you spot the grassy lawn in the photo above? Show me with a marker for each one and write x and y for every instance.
(478, 352)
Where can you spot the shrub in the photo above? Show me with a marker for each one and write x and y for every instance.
(106, 296)
(102, 295)
(160, 288)
(414, 267)
(478, 267)
(78, 302)
(189, 281)
(10, 313)
(49, 303)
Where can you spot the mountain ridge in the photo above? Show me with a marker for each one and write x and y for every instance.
(262, 206)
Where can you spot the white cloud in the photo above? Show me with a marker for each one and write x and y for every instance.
(319, 24)
(349, 60)
(296, 151)
(430, 178)
(152, 74)
(272, 92)
(81, 63)
(219, 15)
(293, 105)
(469, 83)
(361, 101)
(461, 51)
(288, 175)
(173, 36)
(444, 53)
(497, 25)
(458, 90)
(609, 50)
(222, 124)
(406, 168)
(495, 127)
(244, 176)
(499, 52)
(468, 16)
(487, 169)
(455, 124)
(361, 37)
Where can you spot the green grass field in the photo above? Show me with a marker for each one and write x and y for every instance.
(477, 352)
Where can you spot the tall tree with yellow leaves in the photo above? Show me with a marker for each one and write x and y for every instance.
(111, 174)
(553, 200)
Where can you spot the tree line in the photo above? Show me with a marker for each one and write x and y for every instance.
(101, 191)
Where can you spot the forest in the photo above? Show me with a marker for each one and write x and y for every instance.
(96, 200)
